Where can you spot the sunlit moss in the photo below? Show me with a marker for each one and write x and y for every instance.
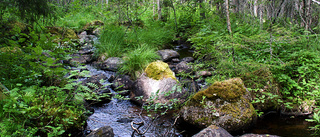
(159, 70)
(229, 90)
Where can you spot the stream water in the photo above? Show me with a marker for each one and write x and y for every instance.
(284, 126)
(120, 113)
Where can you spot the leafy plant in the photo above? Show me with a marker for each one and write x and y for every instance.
(153, 107)
(315, 119)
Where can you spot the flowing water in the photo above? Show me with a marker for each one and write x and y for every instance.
(120, 113)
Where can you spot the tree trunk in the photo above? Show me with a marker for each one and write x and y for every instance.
(159, 9)
(228, 16)
(255, 8)
(308, 18)
(261, 14)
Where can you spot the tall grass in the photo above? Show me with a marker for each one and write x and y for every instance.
(112, 42)
(136, 60)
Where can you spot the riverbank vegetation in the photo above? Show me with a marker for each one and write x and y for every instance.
(273, 46)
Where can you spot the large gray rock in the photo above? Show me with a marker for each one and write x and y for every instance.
(168, 54)
(213, 131)
(105, 131)
(111, 64)
(222, 104)
(163, 89)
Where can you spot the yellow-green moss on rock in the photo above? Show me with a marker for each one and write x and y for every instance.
(158, 70)
(63, 32)
(224, 104)
(228, 90)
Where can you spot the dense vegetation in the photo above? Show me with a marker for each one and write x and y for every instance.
(276, 54)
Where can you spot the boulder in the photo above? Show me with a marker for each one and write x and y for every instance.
(222, 104)
(213, 131)
(158, 82)
(105, 131)
(111, 64)
(183, 67)
(168, 54)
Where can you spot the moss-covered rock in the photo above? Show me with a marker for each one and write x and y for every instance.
(158, 70)
(229, 90)
(223, 104)
(63, 32)
(91, 26)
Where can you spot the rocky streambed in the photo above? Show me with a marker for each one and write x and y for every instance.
(227, 104)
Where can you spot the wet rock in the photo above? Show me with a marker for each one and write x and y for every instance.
(83, 37)
(124, 120)
(203, 74)
(87, 48)
(123, 84)
(157, 80)
(167, 54)
(183, 67)
(222, 104)
(188, 59)
(213, 131)
(105, 131)
(111, 64)
(258, 135)
(175, 60)
(82, 59)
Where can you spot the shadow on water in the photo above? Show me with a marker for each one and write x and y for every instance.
(184, 50)
(284, 126)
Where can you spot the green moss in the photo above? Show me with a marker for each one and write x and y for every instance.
(228, 90)
(159, 70)
(234, 109)
(63, 32)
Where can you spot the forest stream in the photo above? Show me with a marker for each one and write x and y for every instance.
(119, 114)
